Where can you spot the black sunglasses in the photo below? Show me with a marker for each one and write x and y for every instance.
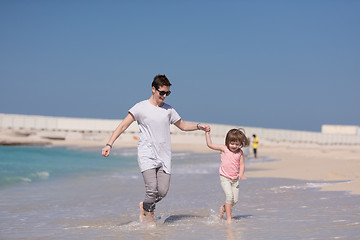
(162, 93)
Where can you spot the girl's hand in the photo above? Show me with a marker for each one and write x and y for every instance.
(204, 127)
(106, 151)
(207, 129)
(242, 178)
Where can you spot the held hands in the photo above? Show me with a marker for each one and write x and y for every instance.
(204, 127)
(106, 151)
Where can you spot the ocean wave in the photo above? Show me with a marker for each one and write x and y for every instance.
(25, 180)
(41, 175)
(13, 180)
(309, 185)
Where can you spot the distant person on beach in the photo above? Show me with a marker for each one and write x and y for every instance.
(247, 150)
(255, 145)
(154, 147)
(232, 167)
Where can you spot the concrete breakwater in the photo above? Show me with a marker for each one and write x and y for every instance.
(27, 129)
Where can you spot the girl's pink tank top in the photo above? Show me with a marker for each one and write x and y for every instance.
(230, 164)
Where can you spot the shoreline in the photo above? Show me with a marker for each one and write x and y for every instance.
(339, 165)
(317, 163)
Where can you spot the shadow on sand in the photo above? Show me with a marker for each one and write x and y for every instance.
(175, 218)
(239, 217)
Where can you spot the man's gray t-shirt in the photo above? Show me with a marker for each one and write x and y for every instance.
(154, 146)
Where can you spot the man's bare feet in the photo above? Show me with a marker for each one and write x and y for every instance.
(149, 216)
(222, 211)
(142, 212)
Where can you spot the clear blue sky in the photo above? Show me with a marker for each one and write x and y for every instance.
(273, 64)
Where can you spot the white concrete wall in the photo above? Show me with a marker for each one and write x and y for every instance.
(341, 129)
(284, 137)
(266, 136)
(33, 122)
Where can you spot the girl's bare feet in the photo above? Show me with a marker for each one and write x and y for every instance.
(142, 212)
(222, 211)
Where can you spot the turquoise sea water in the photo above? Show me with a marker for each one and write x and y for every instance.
(25, 164)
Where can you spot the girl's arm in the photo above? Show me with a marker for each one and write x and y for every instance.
(209, 143)
(242, 168)
(118, 131)
(186, 126)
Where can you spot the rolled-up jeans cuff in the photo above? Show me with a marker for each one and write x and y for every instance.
(149, 207)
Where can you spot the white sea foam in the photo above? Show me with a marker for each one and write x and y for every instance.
(42, 175)
(26, 180)
(299, 187)
(341, 220)
(354, 223)
(317, 185)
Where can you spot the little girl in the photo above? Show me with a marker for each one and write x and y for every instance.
(232, 167)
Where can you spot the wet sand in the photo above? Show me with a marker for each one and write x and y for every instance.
(322, 164)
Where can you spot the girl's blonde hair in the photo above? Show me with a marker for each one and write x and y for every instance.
(236, 135)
